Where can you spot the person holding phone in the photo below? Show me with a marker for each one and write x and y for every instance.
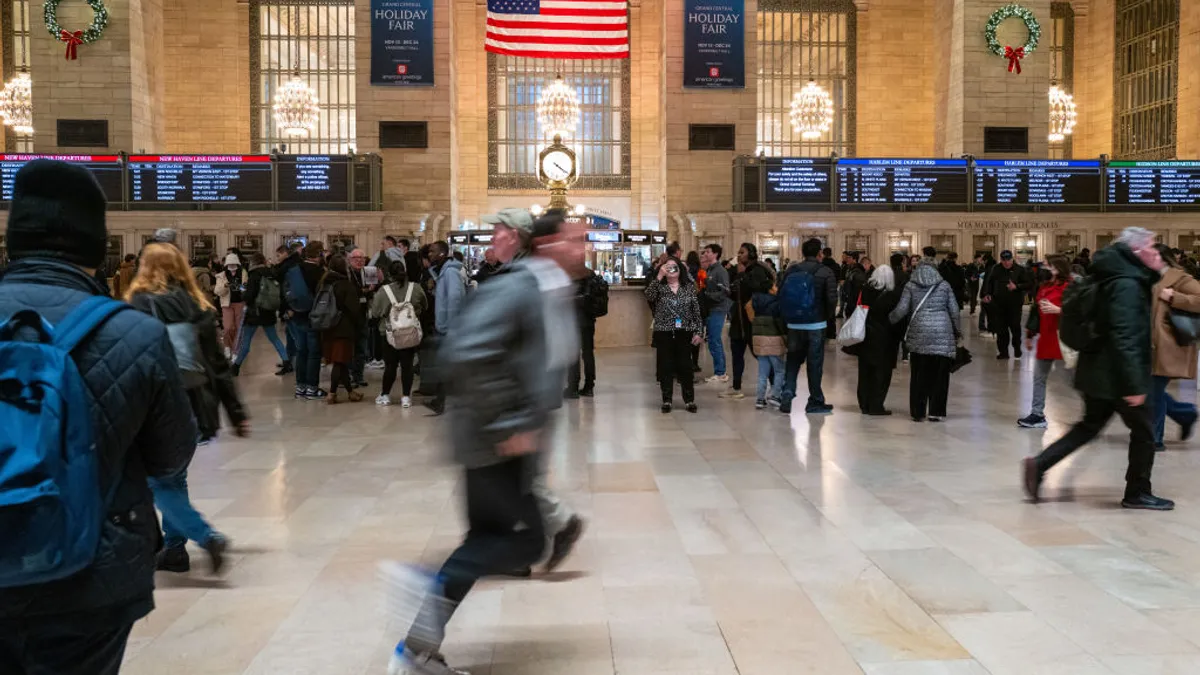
(677, 328)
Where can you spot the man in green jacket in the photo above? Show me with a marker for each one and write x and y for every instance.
(1114, 378)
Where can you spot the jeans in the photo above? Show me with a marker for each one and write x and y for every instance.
(308, 355)
(403, 358)
(290, 330)
(766, 366)
(737, 349)
(1096, 413)
(181, 521)
(715, 326)
(929, 388)
(362, 348)
(675, 363)
(1041, 373)
(248, 336)
(504, 533)
(587, 347)
(1166, 406)
(46, 648)
(805, 345)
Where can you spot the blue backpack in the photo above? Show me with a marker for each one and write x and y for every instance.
(798, 299)
(50, 504)
(299, 297)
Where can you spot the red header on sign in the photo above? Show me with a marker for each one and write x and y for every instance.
(202, 159)
(61, 158)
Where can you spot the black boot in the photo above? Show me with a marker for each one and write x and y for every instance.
(173, 559)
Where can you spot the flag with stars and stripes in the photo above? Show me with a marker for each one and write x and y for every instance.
(559, 29)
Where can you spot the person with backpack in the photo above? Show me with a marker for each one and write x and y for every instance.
(287, 257)
(1043, 323)
(299, 292)
(165, 289)
(749, 278)
(451, 284)
(263, 297)
(1107, 318)
(397, 309)
(807, 294)
(230, 287)
(78, 572)
(591, 301)
(339, 317)
(934, 329)
(769, 336)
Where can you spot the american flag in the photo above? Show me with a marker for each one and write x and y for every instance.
(559, 29)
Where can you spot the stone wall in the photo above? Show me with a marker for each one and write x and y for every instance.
(1094, 46)
(898, 60)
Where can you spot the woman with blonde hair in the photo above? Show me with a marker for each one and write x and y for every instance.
(165, 288)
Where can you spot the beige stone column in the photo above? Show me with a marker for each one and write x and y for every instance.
(1095, 32)
(119, 78)
(976, 90)
(1189, 81)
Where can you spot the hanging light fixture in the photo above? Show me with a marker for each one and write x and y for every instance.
(812, 111)
(16, 104)
(1062, 114)
(558, 109)
(295, 106)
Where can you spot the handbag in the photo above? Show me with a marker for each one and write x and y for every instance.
(854, 330)
(962, 357)
(1185, 326)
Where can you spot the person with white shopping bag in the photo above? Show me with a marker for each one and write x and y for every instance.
(877, 351)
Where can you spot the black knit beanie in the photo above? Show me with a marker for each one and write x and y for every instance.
(58, 211)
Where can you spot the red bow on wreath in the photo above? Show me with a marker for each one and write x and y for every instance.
(1014, 57)
(73, 41)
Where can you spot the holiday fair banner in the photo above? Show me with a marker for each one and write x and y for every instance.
(714, 44)
(402, 42)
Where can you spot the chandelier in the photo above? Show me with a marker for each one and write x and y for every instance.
(16, 104)
(1062, 114)
(812, 111)
(295, 108)
(558, 109)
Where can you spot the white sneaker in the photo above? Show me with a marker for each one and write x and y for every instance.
(383, 399)
(717, 379)
(733, 394)
(405, 402)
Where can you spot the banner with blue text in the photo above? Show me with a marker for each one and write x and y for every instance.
(714, 44)
(402, 42)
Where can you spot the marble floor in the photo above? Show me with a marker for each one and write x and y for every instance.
(732, 541)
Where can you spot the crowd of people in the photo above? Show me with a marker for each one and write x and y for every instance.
(106, 400)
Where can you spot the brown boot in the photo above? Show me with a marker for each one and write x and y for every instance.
(332, 399)
(354, 397)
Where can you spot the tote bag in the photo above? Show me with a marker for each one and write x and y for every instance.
(854, 330)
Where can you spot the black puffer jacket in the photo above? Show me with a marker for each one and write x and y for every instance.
(353, 318)
(255, 316)
(143, 426)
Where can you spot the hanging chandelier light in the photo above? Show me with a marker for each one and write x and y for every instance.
(812, 111)
(558, 109)
(1062, 114)
(16, 104)
(295, 107)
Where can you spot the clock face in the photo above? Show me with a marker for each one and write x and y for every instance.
(557, 165)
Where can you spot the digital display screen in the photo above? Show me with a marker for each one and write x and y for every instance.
(605, 236)
(1038, 181)
(106, 168)
(159, 179)
(314, 178)
(902, 181)
(1163, 183)
(797, 181)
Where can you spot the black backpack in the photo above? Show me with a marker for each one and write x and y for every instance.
(1080, 325)
(595, 301)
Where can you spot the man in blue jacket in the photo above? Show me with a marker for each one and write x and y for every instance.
(449, 292)
(142, 425)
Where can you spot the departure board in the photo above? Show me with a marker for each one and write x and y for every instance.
(917, 182)
(192, 179)
(1175, 183)
(106, 168)
(314, 178)
(1037, 181)
(797, 181)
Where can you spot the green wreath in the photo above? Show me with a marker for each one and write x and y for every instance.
(90, 34)
(1008, 12)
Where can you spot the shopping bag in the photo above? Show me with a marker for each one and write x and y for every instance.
(854, 329)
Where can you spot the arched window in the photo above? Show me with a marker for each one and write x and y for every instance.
(1147, 79)
(1062, 62)
(315, 40)
(514, 139)
(799, 41)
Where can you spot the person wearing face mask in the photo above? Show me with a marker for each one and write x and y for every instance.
(231, 284)
(677, 327)
(1113, 373)
(1043, 323)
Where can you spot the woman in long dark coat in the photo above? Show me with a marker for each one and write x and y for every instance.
(877, 354)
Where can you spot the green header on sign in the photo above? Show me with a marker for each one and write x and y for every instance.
(1163, 164)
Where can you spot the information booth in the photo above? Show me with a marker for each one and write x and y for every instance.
(477, 243)
(605, 255)
(640, 248)
(460, 242)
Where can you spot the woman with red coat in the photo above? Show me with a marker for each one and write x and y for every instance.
(1043, 322)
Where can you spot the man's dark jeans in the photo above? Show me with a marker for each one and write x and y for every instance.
(805, 345)
(1096, 414)
(587, 348)
(737, 350)
(46, 649)
(308, 354)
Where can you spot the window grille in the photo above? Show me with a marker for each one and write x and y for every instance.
(1147, 79)
(315, 40)
(798, 41)
(15, 32)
